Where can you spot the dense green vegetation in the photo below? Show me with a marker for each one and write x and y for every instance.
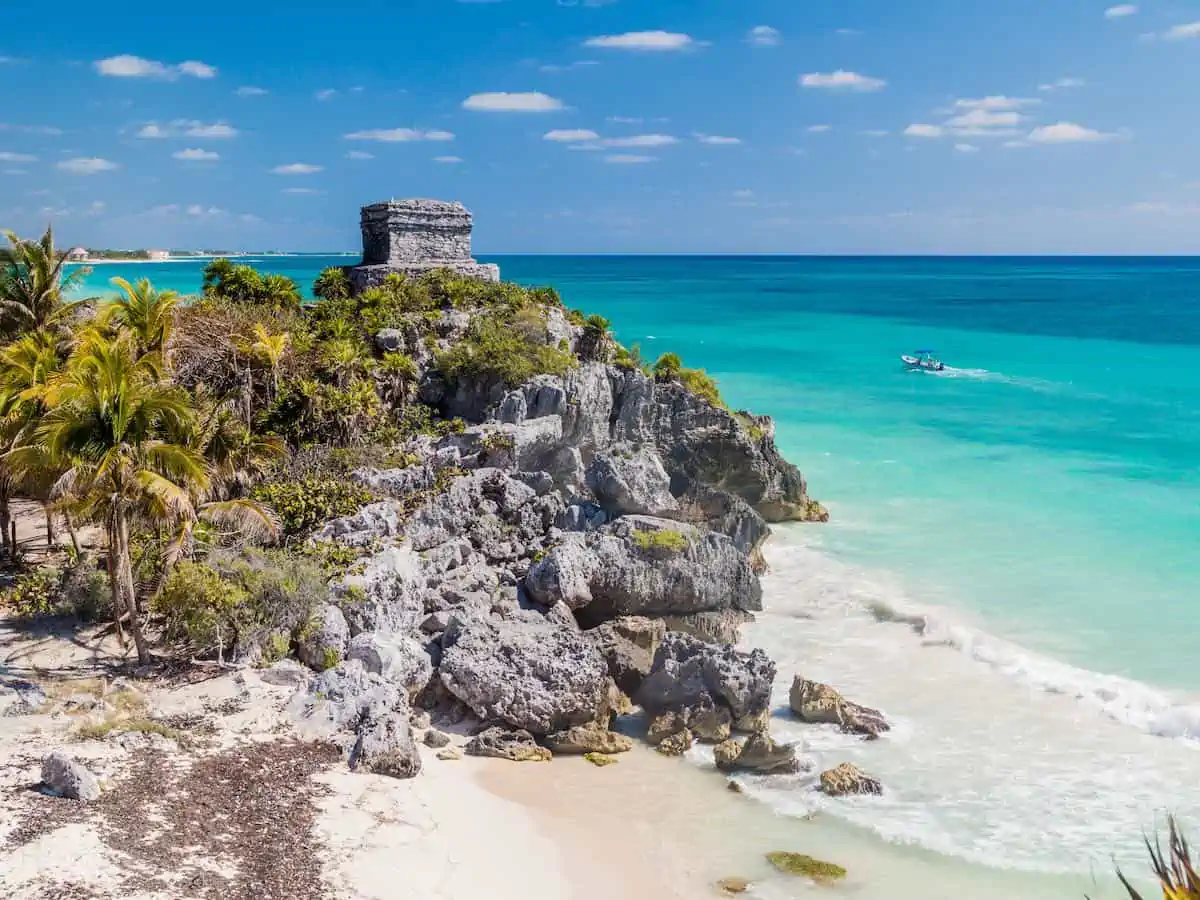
(190, 432)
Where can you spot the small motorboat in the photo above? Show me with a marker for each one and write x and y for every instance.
(924, 361)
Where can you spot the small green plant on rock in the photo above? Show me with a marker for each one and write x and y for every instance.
(665, 541)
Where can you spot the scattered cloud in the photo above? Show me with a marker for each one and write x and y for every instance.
(641, 140)
(1183, 32)
(128, 66)
(31, 129)
(984, 122)
(1120, 12)
(325, 93)
(359, 154)
(966, 148)
(996, 102)
(152, 131)
(718, 140)
(653, 41)
(504, 101)
(566, 67)
(922, 130)
(628, 159)
(1066, 133)
(219, 130)
(398, 135)
(625, 120)
(875, 132)
(196, 155)
(249, 90)
(87, 165)
(300, 190)
(1063, 84)
(841, 80)
(763, 36)
(848, 32)
(9, 157)
(818, 129)
(448, 160)
(187, 128)
(296, 169)
(196, 210)
(570, 135)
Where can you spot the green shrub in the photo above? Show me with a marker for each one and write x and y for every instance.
(702, 385)
(666, 541)
(509, 352)
(246, 285)
(668, 367)
(630, 359)
(202, 610)
(307, 411)
(575, 316)
(36, 593)
(302, 505)
(332, 557)
(332, 284)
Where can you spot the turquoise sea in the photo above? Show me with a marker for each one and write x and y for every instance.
(1012, 567)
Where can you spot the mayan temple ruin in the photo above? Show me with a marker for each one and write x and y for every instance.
(413, 236)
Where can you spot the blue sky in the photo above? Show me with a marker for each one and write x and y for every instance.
(768, 126)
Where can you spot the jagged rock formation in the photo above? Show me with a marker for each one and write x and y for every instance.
(815, 702)
(411, 237)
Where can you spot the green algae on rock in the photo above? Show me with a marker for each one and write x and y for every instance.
(600, 759)
(800, 864)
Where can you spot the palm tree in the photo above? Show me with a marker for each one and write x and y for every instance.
(1174, 869)
(109, 414)
(148, 314)
(33, 284)
(279, 291)
(344, 358)
(270, 348)
(400, 374)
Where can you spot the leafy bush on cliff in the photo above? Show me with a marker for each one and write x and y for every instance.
(307, 411)
(302, 505)
(670, 368)
(508, 352)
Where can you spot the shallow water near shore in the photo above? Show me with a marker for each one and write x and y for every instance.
(1010, 569)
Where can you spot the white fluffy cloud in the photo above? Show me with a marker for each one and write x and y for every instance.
(398, 135)
(87, 165)
(641, 140)
(151, 130)
(1121, 11)
(215, 130)
(984, 121)
(841, 80)
(249, 90)
(448, 160)
(9, 157)
(128, 66)
(570, 135)
(300, 190)
(996, 102)
(504, 101)
(296, 169)
(718, 140)
(966, 148)
(922, 130)
(1066, 133)
(1183, 32)
(196, 155)
(654, 41)
(187, 128)
(763, 36)
(628, 159)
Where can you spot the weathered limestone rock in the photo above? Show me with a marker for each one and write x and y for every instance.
(758, 753)
(676, 744)
(398, 659)
(412, 237)
(434, 738)
(514, 744)
(815, 702)
(629, 482)
(67, 777)
(385, 746)
(733, 885)
(323, 643)
(628, 645)
(449, 754)
(19, 697)
(388, 595)
(374, 522)
(286, 673)
(701, 681)
(591, 738)
(848, 779)
(344, 697)
(643, 566)
(528, 673)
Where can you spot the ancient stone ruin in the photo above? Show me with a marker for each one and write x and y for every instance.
(411, 237)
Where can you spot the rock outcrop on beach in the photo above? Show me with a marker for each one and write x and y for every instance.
(848, 779)
(815, 702)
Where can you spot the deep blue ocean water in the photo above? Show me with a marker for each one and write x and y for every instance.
(1036, 506)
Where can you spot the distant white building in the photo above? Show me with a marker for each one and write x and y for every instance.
(158, 254)
(77, 253)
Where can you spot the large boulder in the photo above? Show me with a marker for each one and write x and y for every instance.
(527, 672)
(67, 777)
(343, 698)
(631, 482)
(322, 643)
(388, 595)
(591, 738)
(697, 681)
(628, 645)
(643, 566)
(398, 659)
(513, 744)
(815, 702)
(848, 779)
(385, 746)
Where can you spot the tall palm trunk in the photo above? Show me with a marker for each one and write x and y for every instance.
(124, 573)
(73, 533)
(49, 526)
(114, 587)
(5, 514)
